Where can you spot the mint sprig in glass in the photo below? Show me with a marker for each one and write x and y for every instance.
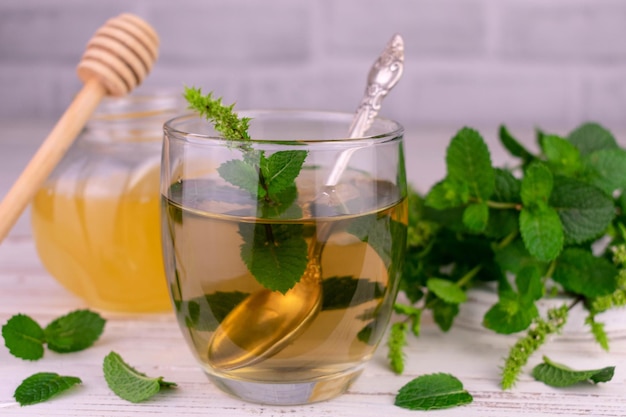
(241, 218)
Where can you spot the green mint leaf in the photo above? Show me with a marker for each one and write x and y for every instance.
(562, 155)
(395, 343)
(591, 137)
(514, 257)
(448, 291)
(281, 205)
(529, 284)
(277, 259)
(24, 337)
(345, 292)
(242, 175)
(129, 384)
(606, 169)
(584, 210)
(74, 331)
(223, 117)
(42, 386)
(444, 314)
(510, 314)
(536, 185)
(281, 169)
(514, 147)
(468, 161)
(542, 232)
(507, 187)
(558, 375)
(476, 216)
(447, 194)
(581, 272)
(433, 392)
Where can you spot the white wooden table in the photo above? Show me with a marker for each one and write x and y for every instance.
(154, 345)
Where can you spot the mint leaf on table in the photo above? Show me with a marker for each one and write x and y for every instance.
(559, 375)
(129, 384)
(42, 386)
(433, 392)
(74, 331)
(24, 337)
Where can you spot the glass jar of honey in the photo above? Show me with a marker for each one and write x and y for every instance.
(96, 219)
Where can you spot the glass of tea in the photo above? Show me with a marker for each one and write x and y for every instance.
(283, 252)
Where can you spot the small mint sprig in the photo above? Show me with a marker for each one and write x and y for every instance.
(223, 117)
(276, 255)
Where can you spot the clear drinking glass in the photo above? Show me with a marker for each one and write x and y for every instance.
(238, 233)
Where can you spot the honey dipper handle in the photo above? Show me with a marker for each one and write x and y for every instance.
(49, 154)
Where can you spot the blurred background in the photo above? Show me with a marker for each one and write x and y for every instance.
(525, 63)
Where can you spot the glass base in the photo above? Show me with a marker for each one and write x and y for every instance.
(289, 393)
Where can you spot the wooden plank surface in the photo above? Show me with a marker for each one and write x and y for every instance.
(154, 344)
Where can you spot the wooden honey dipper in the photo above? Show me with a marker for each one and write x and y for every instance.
(116, 60)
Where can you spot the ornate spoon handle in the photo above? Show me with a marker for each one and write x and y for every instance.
(383, 76)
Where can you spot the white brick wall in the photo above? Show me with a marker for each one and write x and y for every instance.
(548, 63)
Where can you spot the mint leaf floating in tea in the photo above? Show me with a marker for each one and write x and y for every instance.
(433, 392)
(559, 375)
(128, 383)
(75, 331)
(24, 337)
(42, 386)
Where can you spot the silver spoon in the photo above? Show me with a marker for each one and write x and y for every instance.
(267, 321)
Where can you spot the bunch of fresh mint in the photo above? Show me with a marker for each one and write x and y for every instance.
(554, 223)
